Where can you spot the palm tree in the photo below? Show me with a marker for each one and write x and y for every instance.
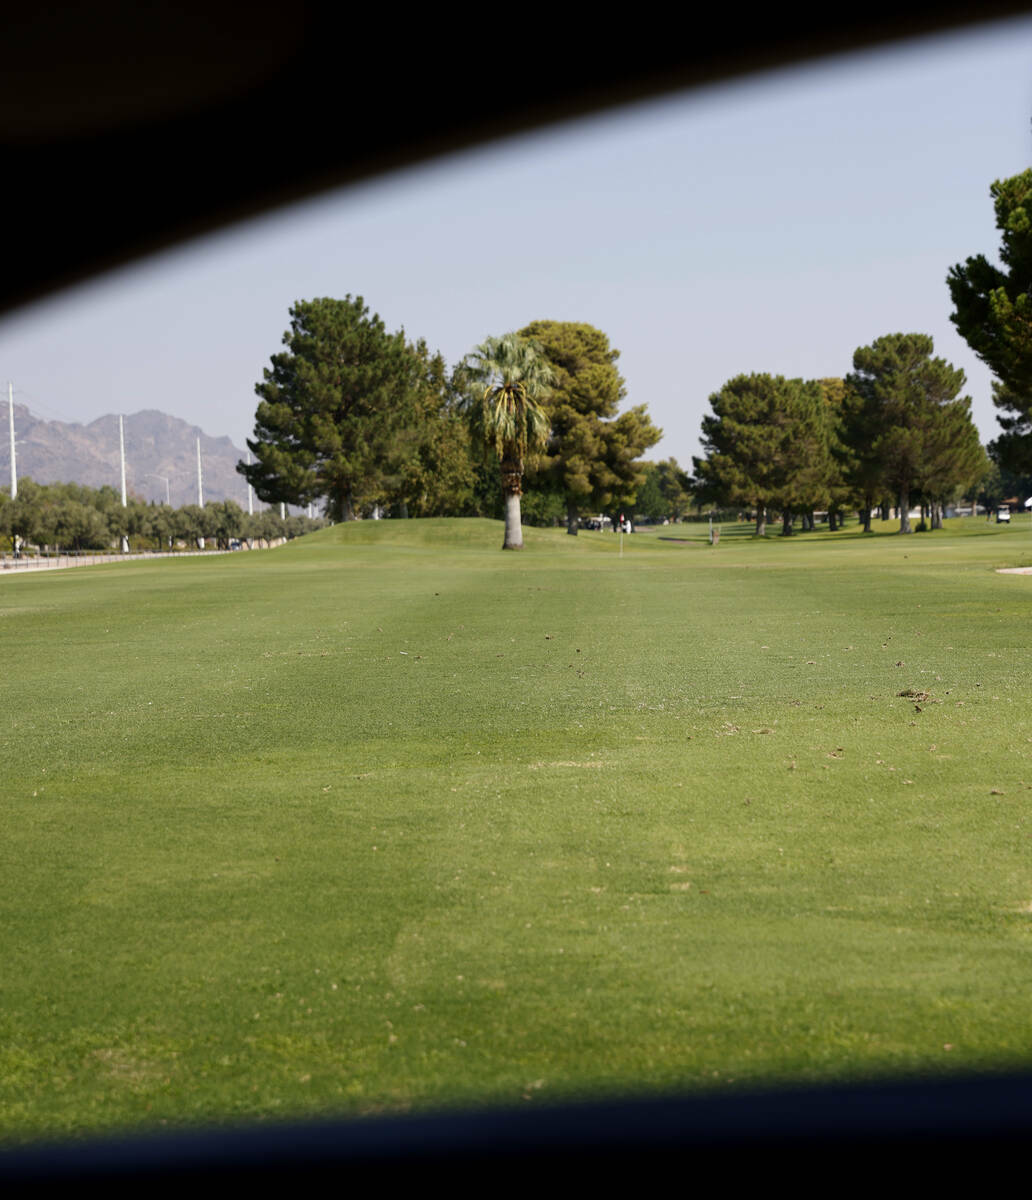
(509, 377)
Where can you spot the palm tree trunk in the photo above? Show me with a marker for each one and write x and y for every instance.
(512, 477)
(513, 527)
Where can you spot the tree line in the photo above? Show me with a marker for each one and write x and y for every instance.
(71, 516)
(893, 432)
(896, 430)
(526, 427)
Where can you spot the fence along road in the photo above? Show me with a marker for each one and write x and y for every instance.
(56, 562)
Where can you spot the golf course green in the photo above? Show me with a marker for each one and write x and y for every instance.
(387, 820)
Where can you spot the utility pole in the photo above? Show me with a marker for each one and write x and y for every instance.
(125, 499)
(121, 450)
(282, 511)
(15, 541)
(200, 489)
(14, 469)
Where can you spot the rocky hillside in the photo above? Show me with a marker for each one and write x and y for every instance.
(155, 445)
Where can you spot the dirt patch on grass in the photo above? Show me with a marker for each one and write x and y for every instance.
(124, 1067)
(537, 766)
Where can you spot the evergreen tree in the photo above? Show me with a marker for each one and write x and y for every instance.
(954, 456)
(757, 440)
(1013, 448)
(650, 501)
(435, 478)
(900, 393)
(1000, 480)
(334, 409)
(591, 455)
(993, 305)
(993, 313)
(991, 488)
(839, 492)
(676, 486)
(808, 466)
(618, 474)
(861, 465)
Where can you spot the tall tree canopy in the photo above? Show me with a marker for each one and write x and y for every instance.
(591, 452)
(760, 443)
(993, 313)
(650, 502)
(436, 473)
(1012, 450)
(955, 458)
(666, 492)
(993, 305)
(839, 491)
(809, 465)
(909, 420)
(333, 408)
(858, 430)
(506, 380)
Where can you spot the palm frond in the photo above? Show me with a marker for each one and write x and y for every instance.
(514, 377)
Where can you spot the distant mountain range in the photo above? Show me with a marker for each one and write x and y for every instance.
(157, 447)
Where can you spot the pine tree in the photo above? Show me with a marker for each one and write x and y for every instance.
(993, 305)
(954, 456)
(675, 485)
(758, 440)
(808, 465)
(591, 456)
(993, 313)
(898, 421)
(335, 406)
(1012, 450)
(859, 426)
(839, 492)
(435, 477)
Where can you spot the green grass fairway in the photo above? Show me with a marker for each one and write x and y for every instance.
(387, 819)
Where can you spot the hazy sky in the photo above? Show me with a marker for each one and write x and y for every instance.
(773, 225)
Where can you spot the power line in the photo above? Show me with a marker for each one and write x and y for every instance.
(38, 405)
